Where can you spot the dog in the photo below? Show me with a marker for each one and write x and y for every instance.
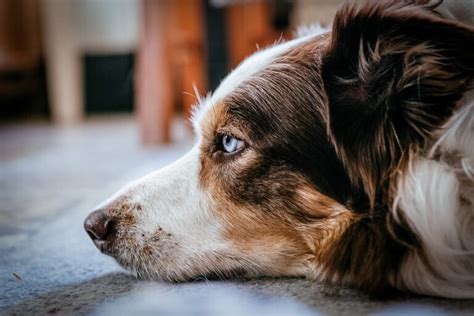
(343, 157)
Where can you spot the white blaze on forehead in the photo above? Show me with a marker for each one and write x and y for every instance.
(249, 67)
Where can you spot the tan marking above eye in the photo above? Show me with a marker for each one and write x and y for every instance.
(217, 122)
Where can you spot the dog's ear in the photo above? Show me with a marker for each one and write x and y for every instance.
(393, 74)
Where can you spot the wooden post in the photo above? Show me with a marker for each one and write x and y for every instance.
(154, 96)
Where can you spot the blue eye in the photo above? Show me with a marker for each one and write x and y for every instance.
(231, 144)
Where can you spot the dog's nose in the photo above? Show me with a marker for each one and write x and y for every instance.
(98, 225)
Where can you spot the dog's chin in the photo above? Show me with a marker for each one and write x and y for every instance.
(155, 270)
(180, 277)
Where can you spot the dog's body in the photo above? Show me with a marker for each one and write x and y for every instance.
(346, 157)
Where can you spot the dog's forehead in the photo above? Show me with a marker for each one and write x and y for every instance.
(251, 66)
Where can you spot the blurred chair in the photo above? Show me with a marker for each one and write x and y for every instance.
(75, 30)
(63, 61)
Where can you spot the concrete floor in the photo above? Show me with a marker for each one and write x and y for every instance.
(51, 178)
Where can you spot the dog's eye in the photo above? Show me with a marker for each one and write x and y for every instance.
(230, 144)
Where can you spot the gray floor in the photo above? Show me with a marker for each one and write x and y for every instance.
(51, 178)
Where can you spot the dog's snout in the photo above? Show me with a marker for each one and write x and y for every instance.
(98, 225)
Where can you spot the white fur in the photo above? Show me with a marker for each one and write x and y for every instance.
(436, 198)
(172, 200)
(458, 133)
(311, 30)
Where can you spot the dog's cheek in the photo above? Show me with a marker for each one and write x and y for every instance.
(270, 244)
(264, 220)
(253, 233)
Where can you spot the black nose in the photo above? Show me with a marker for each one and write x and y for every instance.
(98, 226)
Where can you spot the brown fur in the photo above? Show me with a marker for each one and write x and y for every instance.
(329, 212)
(271, 210)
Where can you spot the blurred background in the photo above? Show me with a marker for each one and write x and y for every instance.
(96, 93)
(65, 61)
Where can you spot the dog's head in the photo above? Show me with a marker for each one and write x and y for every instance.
(296, 157)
